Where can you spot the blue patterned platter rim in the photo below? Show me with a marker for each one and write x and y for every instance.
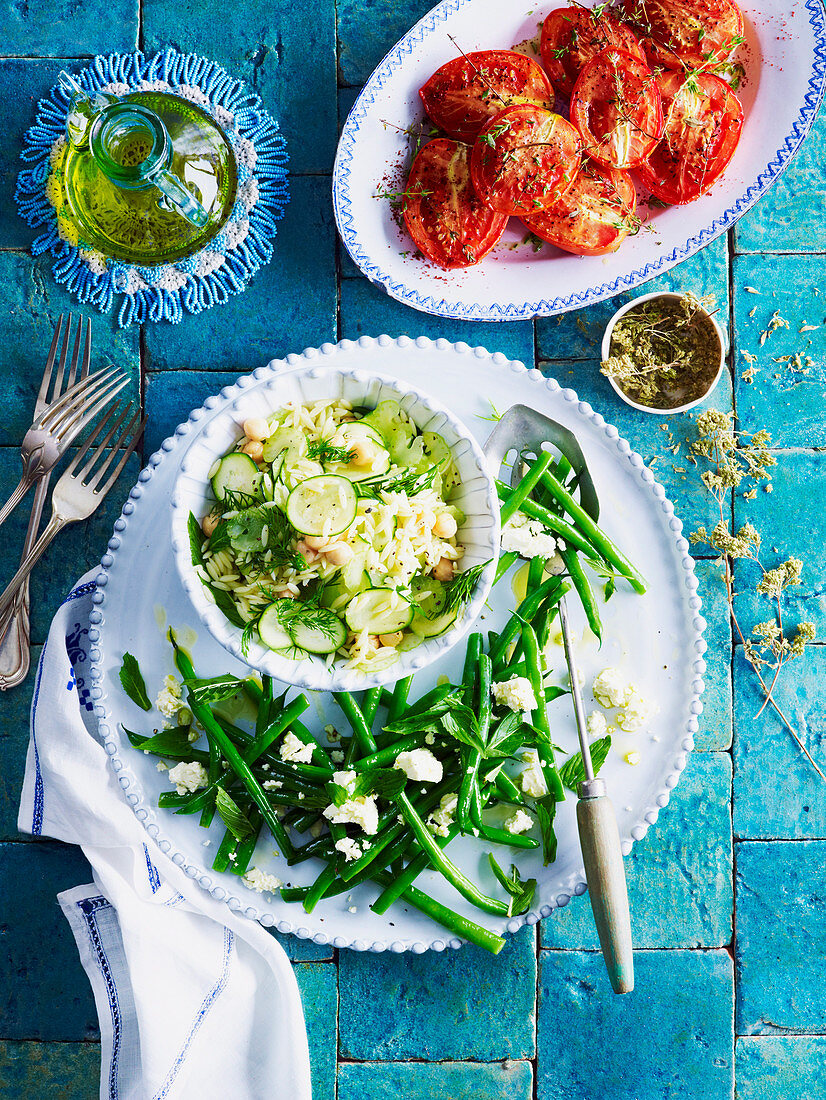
(785, 58)
(657, 638)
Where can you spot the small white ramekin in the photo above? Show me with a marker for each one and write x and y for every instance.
(479, 534)
(606, 351)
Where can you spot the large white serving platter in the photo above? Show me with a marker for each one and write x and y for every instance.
(656, 638)
(785, 58)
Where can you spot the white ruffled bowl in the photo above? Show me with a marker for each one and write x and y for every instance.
(479, 534)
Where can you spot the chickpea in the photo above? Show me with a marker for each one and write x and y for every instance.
(373, 639)
(255, 449)
(443, 570)
(363, 452)
(256, 428)
(445, 526)
(339, 553)
(316, 542)
(306, 551)
(391, 640)
(209, 523)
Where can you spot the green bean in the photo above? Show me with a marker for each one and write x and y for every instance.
(319, 887)
(507, 789)
(321, 846)
(471, 668)
(408, 876)
(459, 881)
(262, 719)
(523, 489)
(536, 568)
(353, 713)
(502, 836)
(246, 847)
(370, 704)
(470, 775)
(539, 714)
(583, 590)
(452, 921)
(231, 754)
(303, 821)
(599, 540)
(322, 760)
(399, 699)
(213, 775)
(526, 610)
(172, 800)
(223, 857)
(506, 560)
(553, 522)
(388, 754)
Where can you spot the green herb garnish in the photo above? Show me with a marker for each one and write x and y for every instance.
(133, 682)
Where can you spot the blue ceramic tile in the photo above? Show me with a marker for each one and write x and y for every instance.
(578, 335)
(786, 398)
(790, 521)
(764, 750)
(668, 1040)
(14, 739)
(679, 875)
(44, 993)
(790, 217)
(289, 305)
(70, 1071)
(716, 720)
(32, 304)
(319, 995)
(368, 28)
(289, 60)
(663, 441)
(22, 83)
(439, 1006)
(445, 1081)
(78, 548)
(66, 28)
(368, 311)
(781, 936)
(171, 395)
(781, 1067)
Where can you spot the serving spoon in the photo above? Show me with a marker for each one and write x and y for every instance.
(524, 429)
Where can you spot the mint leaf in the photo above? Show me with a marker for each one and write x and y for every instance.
(506, 737)
(521, 892)
(572, 772)
(172, 742)
(467, 734)
(213, 690)
(196, 538)
(232, 815)
(133, 682)
(545, 809)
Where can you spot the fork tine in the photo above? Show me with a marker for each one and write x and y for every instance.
(74, 375)
(87, 350)
(84, 450)
(60, 384)
(75, 394)
(47, 370)
(80, 417)
(133, 431)
(104, 443)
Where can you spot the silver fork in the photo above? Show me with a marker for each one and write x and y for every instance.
(15, 645)
(81, 489)
(59, 425)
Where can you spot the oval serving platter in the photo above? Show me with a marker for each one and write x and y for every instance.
(656, 639)
(785, 59)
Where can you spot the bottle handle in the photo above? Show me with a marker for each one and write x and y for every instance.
(183, 201)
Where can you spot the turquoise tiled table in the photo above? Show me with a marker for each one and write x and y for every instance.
(728, 891)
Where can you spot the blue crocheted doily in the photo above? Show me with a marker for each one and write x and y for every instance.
(227, 263)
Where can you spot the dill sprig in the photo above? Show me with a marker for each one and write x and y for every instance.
(322, 450)
(461, 587)
(404, 481)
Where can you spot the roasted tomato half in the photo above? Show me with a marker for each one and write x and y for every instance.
(447, 221)
(524, 159)
(593, 217)
(616, 107)
(573, 36)
(686, 33)
(703, 120)
(462, 95)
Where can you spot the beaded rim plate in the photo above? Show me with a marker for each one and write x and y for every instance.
(656, 637)
(785, 58)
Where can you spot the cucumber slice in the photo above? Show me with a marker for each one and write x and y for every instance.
(346, 436)
(291, 441)
(238, 474)
(431, 628)
(372, 610)
(322, 505)
(324, 634)
(437, 453)
(271, 630)
(428, 596)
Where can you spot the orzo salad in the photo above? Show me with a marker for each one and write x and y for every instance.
(333, 533)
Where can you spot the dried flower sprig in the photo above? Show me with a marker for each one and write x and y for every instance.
(735, 458)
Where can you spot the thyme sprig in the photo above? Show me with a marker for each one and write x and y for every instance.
(735, 458)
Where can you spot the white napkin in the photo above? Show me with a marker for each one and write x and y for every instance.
(193, 1000)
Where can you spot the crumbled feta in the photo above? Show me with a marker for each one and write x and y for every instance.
(295, 751)
(169, 697)
(337, 756)
(349, 848)
(272, 784)
(261, 882)
(317, 828)
(188, 777)
(516, 693)
(531, 778)
(518, 822)
(420, 765)
(441, 819)
(344, 779)
(361, 811)
(430, 738)
(352, 909)
(161, 767)
(632, 758)
(610, 688)
(596, 724)
(635, 712)
(527, 537)
(332, 733)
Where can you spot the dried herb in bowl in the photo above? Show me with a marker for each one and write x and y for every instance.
(665, 352)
